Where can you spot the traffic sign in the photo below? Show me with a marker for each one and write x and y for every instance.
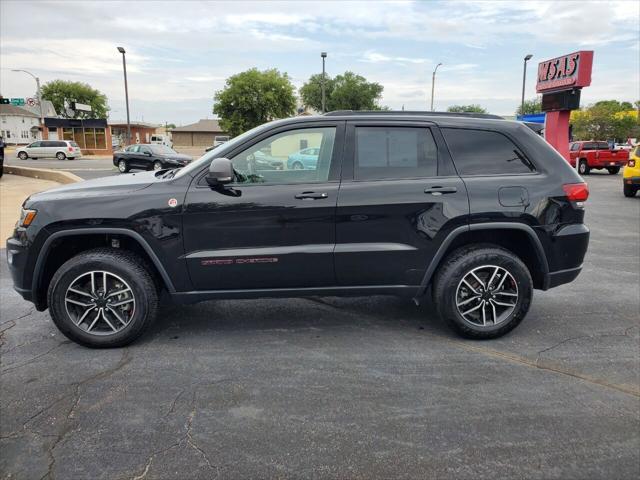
(4, 101)
(31, 102)
(18, 102)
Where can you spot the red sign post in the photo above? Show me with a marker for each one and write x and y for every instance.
(560, 81)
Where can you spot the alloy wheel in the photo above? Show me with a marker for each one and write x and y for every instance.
(157, 166)
(486, 295)
(122, 166)
(100, 303)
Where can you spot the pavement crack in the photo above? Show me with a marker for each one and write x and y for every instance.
(11, 368)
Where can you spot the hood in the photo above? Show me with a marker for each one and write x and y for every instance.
(179, 156)
(114, 185)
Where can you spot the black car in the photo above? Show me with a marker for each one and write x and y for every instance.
(148, 157)
(473, 212)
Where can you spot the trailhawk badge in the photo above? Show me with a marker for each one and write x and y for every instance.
(173, 202)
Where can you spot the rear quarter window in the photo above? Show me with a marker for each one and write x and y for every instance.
(483, 152)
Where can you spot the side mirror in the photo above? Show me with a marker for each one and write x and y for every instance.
(220, 172)
(147, 153)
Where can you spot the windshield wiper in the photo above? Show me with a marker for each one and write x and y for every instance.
(170, 174)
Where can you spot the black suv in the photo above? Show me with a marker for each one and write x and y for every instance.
(476, 212)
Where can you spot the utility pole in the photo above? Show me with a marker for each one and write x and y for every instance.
(524, 78)
(433, 83)
(324, 99)
(126, 93)
(39, 95)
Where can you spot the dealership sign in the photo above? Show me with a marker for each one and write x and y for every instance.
(566, 72)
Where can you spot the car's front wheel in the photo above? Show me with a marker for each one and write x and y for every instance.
(297, 166)
(123, 166)
(629, 190)
(23, 155)
(483, 291)
(613, 170)
(103, 298)
(61, 156)
(157, 165)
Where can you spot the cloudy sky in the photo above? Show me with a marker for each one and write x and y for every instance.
(180, 52)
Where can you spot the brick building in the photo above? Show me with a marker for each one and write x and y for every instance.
(140, 131)
(200, 134)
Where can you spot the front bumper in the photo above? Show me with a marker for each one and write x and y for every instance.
(17, 261)
(631, 180)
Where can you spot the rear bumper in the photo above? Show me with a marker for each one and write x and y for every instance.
(566, 252)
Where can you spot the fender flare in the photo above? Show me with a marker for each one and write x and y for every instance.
(437, 258)
(42, 254)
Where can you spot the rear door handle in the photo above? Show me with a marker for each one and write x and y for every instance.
(311, 196)
(437, 190)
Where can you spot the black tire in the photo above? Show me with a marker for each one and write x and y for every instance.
(123, 264)
(157, 165)
(23, 155)
(459, 264)
(61, 156)
(613, 170)
(583, 167)
(297, 166)
(629, 190)
(123, 166)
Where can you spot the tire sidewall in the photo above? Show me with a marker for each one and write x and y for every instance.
(61, 156)
(516, 268)
(73, 269)
(23, 156)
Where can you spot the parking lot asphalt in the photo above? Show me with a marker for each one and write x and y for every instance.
(371, 387)
(85, 168)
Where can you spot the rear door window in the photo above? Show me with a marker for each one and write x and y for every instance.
(386, 153)
(483, 152)
(589, 146)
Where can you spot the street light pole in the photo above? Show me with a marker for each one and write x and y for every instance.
(38, 94)
(126, 93)
(524, 78)
(324, 99)
(433, 83)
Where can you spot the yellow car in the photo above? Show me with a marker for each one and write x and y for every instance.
(631, 174)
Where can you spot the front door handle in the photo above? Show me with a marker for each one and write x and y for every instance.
(438, 190)
(311, 196)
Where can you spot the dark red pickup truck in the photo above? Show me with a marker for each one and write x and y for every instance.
(597, 155)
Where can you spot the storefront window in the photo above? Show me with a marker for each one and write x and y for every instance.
(101, 142)
(89, 138)
(67, 134)
(79, 137)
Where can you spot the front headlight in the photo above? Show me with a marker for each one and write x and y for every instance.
(26, 217)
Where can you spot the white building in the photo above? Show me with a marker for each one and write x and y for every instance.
(18, 126)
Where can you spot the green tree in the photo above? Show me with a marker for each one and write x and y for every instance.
(348, 91)
(63, 93)
(530, 107)
(605, 120)
(473, 108)
(252, 98)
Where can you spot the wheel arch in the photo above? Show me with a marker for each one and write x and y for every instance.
(518, 238)
(78, 240)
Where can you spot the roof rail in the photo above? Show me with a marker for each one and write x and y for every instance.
(344, 113)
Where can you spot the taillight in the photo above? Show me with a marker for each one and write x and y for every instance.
(71, 149)
(632, 163)
(576, 192)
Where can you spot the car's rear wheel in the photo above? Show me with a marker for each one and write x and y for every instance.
(61, 156)
(629, 190)
(613, 170)
(123, 166)
(583, 167)
(103, 298)
(483, 291)
(297, 166)
(157, 165)
(23, 155)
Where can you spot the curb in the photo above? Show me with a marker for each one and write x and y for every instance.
(43, 174)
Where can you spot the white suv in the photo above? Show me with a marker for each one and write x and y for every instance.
(60, 149)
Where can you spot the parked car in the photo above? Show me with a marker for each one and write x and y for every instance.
(60, 149)
(631, 174)
(148, 157)
(590, 155)
(305, 158)
(161, 140)
(477, 212)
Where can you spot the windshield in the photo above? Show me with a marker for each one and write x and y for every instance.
(220, 151)
(162, 149)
